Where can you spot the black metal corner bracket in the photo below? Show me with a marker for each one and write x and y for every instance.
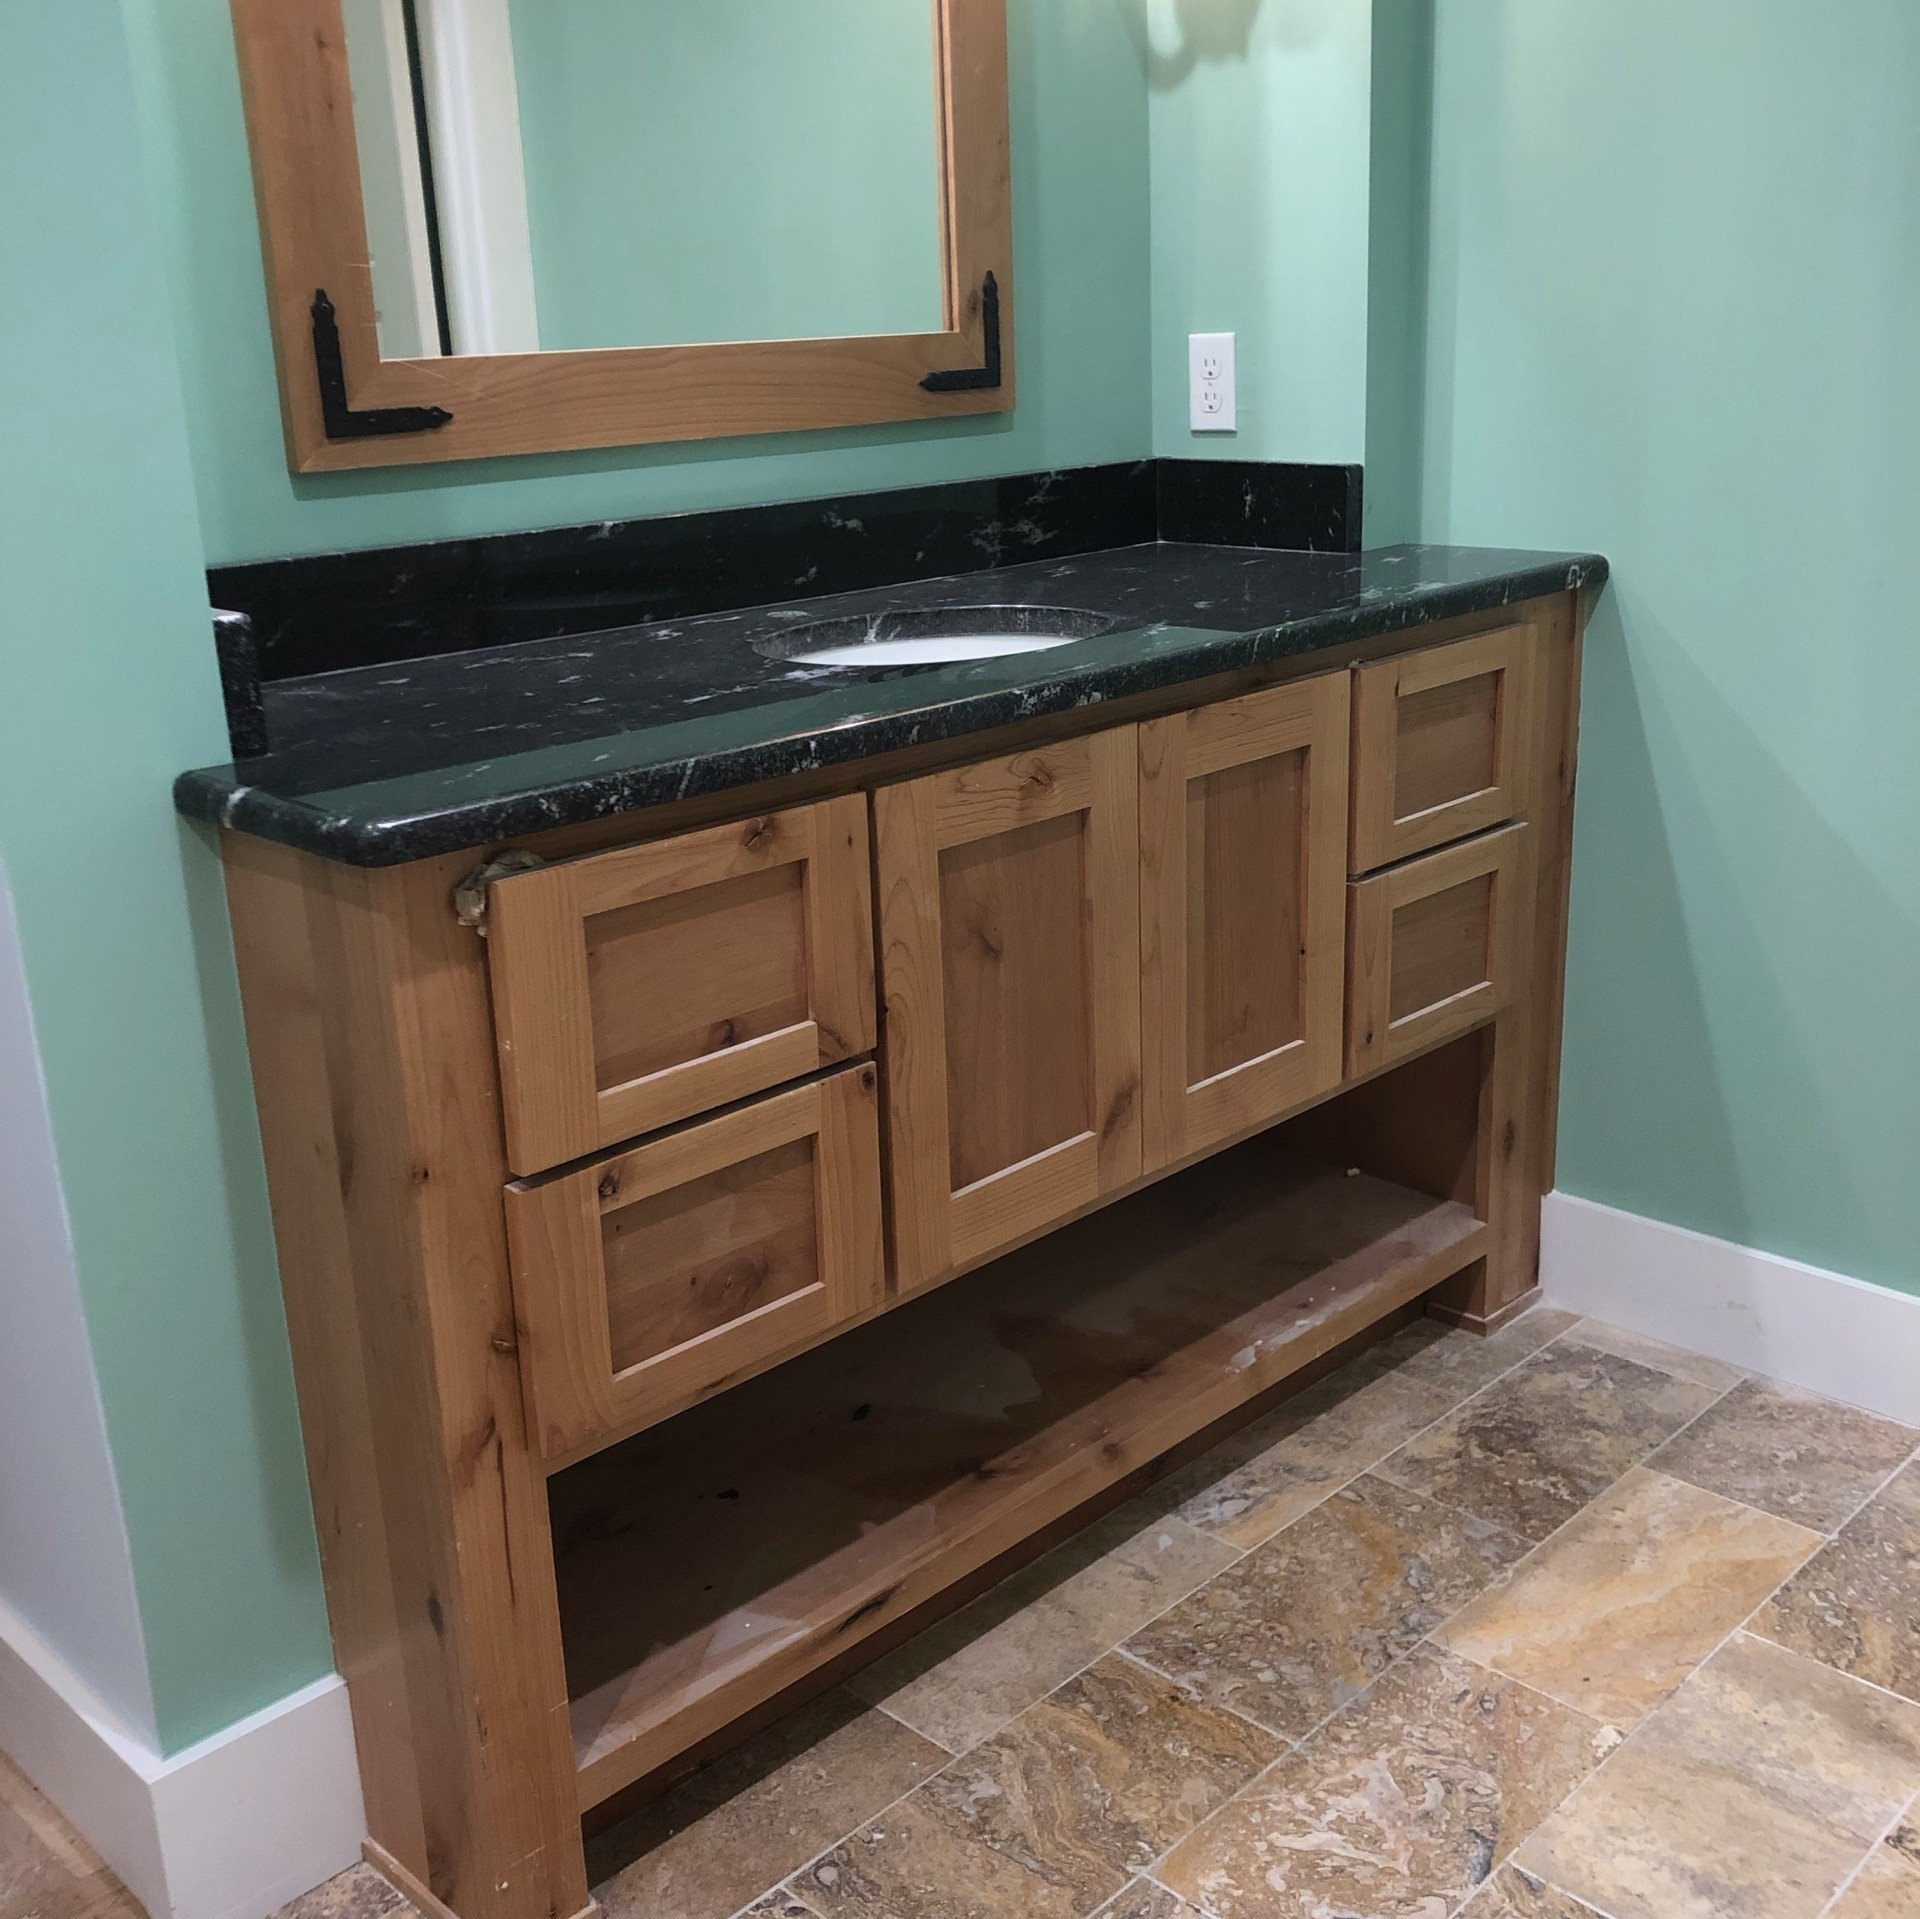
(975, 379)
(341, 420)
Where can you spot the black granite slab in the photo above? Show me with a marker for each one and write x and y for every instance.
(1258, 503)
(322, 612)
(378, 765)
(240, 683)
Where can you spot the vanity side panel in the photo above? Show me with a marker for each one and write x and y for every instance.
(367, 1017)
(1519, 1115)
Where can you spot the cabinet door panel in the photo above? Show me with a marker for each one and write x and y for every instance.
(640, 987)
(1009, 916)
(648, 1280)
(1243, 839)
(1433, 947)
(1441, 743)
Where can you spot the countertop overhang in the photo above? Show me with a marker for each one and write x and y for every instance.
(379, 765)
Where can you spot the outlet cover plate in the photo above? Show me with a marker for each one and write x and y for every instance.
(1212, 389)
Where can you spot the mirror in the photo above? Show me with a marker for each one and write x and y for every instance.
(520, 226)
(558, 175)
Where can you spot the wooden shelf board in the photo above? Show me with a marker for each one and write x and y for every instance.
(710, 1563)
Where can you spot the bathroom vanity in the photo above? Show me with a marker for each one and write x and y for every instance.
(748, 1174)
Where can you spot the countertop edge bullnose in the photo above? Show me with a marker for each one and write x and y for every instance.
(368, 825)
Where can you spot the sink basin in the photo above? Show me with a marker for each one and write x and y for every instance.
(935, 636)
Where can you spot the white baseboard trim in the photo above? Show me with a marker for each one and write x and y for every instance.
(1843, 1337)
(229, 1829)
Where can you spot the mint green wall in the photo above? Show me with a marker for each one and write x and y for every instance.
(736, 170)
(107, 689)
(1260, 115)
(1401, 141)
(1675, 315)
(135, 275)
(1081, 249)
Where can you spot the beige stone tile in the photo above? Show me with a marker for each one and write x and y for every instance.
(1400, 1805)
(916, 1864)
(1805, 1458)
(1461, 1363)
(1887, 1888)
(780, 1905)
(1621, 1604)
(1750, 1794)
(1145, 1900)
(1857, 1605)
(357, 1893)
(1656, 1353)
(1306, 1623)
(755, 1816)
(1513, 1894)
(1330, 1434)
(1055, 1813)
(963, 1679)
(1905, 1837)
(46, 1870)
(1538, 1444)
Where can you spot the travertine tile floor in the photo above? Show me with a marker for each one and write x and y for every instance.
(1556, 1625)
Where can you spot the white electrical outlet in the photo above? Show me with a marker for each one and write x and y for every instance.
(1212, 404)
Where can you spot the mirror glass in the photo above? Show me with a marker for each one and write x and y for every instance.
(548, 175)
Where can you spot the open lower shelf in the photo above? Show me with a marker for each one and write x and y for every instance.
(709, 1564)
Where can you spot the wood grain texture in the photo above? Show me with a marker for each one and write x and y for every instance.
(654, 1278)
(1519, 1115)
(638, 987)
(293, 67)
(1442, 744)
(367, 1014)
(838, 1494)
(1243, 839)
(1009, 926)
(1436, 946)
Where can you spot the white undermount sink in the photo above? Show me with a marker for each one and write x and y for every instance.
(936, 636)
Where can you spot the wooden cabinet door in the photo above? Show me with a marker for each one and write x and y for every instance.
(1010, 962)
(649, 1280)
(1441, 744)
(1243, 841)
(640, 987)
(1435, 947)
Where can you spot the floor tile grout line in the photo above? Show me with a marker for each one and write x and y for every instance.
(953, 1759)
(1647, 1719)
(1826, 1537)
(1243, 1553)
(1567, 1333)
(1293, 1746)
(1350, 1705)
(782, 1884)
(1867, 1858)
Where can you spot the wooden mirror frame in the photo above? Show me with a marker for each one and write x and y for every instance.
(306, 164)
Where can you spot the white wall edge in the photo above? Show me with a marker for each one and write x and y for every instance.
(232, 1828)
(1843, 1337)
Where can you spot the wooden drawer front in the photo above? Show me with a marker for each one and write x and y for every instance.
(1440, 744)
(643, 986)
(1010, 941)
(647, 1281)
(1243, 840)
(1432, 947)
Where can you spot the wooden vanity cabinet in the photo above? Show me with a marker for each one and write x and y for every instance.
(1243, 839)
(1442, 743)
(1434, 947)
(639, 987)
(1009, 912)
(613, 1230)
(652, 1278)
